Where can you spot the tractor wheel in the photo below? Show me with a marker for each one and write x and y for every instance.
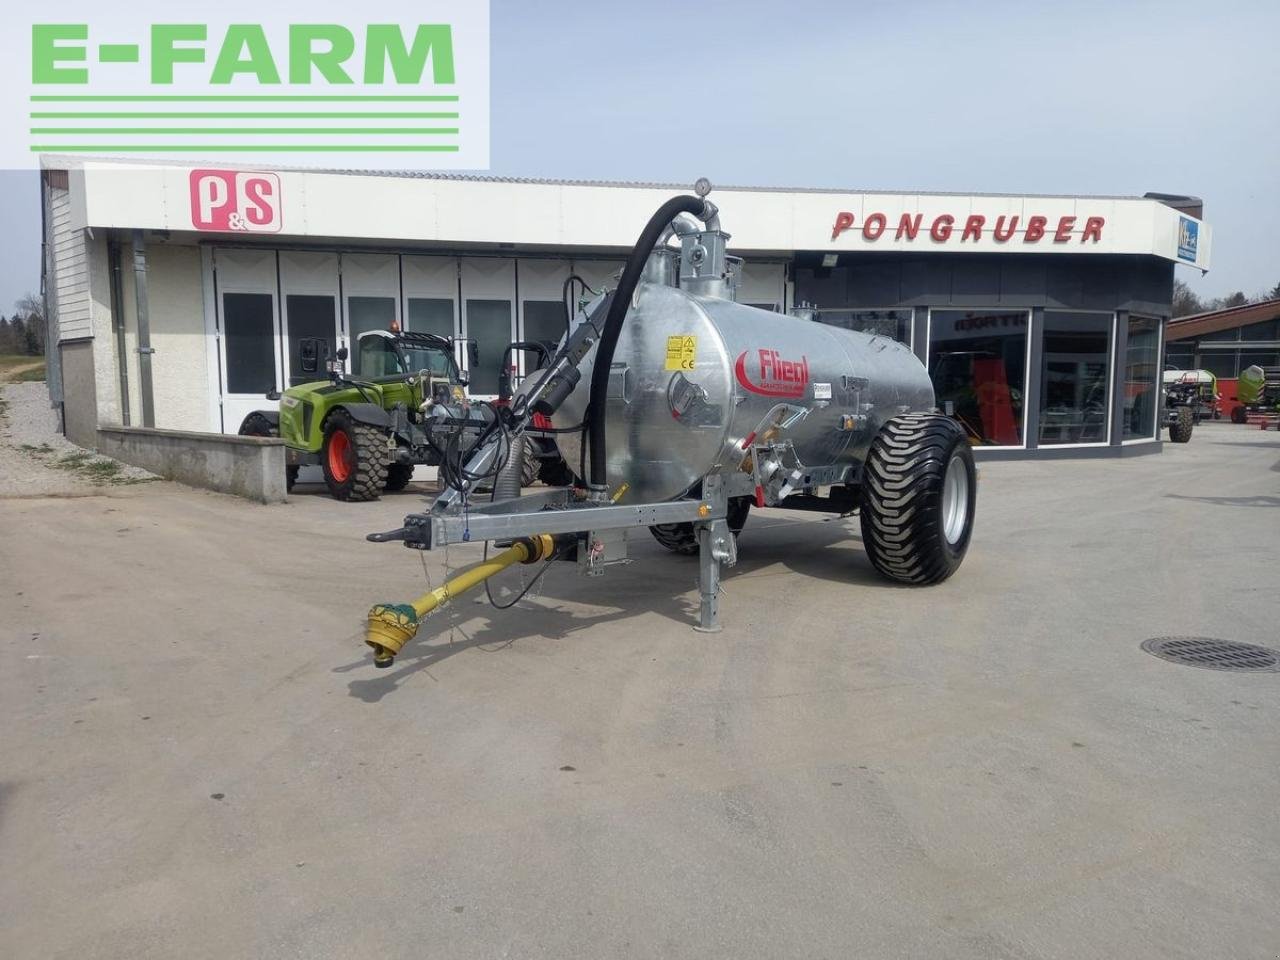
(1180, 429)
(1239, 415)
(354, 457)
(256, 425)
(529, 469)
(682, 538)
(555, 473)
(918, 497)
(398, 477)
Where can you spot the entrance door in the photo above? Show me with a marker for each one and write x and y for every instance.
(310, 285)
(248, 323)
(488, 317)
(371, 288)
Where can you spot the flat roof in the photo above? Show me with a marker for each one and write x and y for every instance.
(513, 213)
(1215, 321)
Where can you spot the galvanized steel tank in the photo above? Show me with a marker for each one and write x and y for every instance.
(695, 378)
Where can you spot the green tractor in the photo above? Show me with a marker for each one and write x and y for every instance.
(366, 431)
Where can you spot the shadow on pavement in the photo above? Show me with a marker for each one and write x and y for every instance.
(666, 584)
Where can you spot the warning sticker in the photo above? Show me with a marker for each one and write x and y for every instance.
(681, 352)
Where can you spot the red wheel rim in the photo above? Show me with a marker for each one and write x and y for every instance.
(341, 456)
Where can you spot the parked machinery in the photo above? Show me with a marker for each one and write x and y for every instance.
(1258, 390)
(1186, 394)
(688, 409)
(367, 432)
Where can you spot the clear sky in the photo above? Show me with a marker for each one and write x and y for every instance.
(1006, 97)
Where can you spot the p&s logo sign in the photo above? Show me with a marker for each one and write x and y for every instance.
(358, 85)
(235, 201)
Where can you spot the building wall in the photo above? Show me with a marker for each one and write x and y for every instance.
(179, 376)
(179, 366)
(80, 410)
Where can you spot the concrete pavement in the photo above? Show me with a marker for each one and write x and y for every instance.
(199, 759)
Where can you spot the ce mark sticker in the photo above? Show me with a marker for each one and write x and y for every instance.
(682, 353)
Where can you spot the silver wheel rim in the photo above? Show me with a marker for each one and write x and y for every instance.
(955, 501)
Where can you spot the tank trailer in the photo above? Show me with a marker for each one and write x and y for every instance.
(678, 410)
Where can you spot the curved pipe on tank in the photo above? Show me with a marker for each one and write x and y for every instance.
(705, 211)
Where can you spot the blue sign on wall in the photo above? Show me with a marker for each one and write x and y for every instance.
(1188, 237)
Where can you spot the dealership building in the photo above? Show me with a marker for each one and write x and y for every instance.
(180, 294)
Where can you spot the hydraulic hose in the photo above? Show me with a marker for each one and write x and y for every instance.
(596, 408)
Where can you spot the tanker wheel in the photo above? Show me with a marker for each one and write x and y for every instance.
(1239, 415)
(256, 425)
(398, 477)
(1180, 429)
(354, 457)
(681, 538)
(918, 498)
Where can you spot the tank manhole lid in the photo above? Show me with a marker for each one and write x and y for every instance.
(1214, 654)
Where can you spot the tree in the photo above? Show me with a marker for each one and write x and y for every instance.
(1185, 301)
(30, 309)
(1272, 294)
(1237, 299)
(17, 335)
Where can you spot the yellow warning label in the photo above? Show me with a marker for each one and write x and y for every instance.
(681, 352)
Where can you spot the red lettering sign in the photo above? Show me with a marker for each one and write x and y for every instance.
(235, 201)
(943, 228)
(774, 376)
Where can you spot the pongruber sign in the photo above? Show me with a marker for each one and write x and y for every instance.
(235, 201)
(946, 228)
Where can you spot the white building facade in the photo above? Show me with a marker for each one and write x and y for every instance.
(179, 293)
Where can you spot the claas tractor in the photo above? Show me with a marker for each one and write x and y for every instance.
(404, 404)
(541, 457)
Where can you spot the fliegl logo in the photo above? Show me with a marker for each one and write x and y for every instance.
(408, 86)
(770, 375)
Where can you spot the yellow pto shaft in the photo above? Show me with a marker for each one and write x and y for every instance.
(392, 625)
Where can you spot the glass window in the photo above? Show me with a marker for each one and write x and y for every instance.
(1142, 377)
(375, 357)
(309, 316)
(430, 315)
(1180, 356)
(369, 313)
(895, 324)
(489, 324)
(978, 363)
(1221, 363)
(1074, 376)
(249, 326)
(543, 320)
(1230, 334)
(1266, 330)
(1259, 358)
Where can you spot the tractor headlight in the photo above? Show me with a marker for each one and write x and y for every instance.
(288, 401)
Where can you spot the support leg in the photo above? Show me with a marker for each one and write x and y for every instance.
(708, 579)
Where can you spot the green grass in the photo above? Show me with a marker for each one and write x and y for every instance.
(16, 368)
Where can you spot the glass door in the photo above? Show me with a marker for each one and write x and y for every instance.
(248, 324)
(488, 317)
(431, 295)
(310, 285)
(371, 291)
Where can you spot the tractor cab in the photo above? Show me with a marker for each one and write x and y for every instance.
(387, 355)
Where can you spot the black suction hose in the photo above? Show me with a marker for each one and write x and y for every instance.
(613, 325)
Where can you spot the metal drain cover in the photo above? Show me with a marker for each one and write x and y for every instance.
(1214, 654)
